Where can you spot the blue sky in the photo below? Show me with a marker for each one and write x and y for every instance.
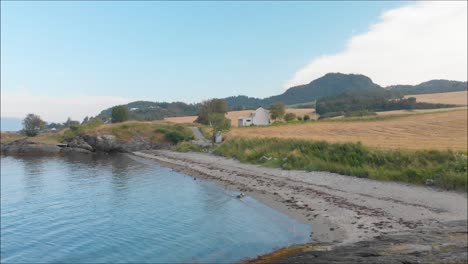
(170, 51)
(105, 51)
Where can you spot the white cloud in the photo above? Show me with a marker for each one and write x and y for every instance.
(56, 108)
(409, 45)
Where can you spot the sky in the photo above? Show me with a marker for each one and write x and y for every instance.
(64, 59)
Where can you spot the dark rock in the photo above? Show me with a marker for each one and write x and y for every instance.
(24, 146)
(79, 143)
(74, 150)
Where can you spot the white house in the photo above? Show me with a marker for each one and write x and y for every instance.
(259, 117)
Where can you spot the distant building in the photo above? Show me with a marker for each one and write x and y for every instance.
(259, 117)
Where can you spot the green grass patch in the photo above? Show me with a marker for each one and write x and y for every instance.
(175, 133)
(448, 169)
(186, 146)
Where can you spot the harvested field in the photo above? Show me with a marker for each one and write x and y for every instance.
(434, 130)
(234, 115)
(416, 111)
(456, 98)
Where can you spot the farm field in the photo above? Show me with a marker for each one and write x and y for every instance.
(434, 130)
(234, 115)
(456, 98)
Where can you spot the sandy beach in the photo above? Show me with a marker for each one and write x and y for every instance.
(341, 209)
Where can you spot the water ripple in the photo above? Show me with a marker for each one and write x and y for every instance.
(115, 209)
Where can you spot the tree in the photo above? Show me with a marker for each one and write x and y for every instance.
(219, 123)
(289, 117)
(32, 124)
(213, 106)
(411, 102)
(119, 113)
(71, 122)
(277, 110)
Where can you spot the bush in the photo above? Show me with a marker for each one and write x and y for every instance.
(175, 136)
(289, 117)
(119, 113)
(32, 124)
(175, 133)
(299, 118)
(188, 146)
(306, 118)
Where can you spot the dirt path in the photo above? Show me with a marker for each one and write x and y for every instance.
(199, 137)
(341, 209)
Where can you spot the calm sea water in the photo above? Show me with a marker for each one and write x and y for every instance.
(88, 208)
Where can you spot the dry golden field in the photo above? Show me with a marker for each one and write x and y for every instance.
(234, 115)
(435, 130)
(456, 98)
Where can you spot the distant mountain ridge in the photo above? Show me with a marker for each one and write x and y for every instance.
(147, 111)
(331, 84)
(433, 86)
(328, 85)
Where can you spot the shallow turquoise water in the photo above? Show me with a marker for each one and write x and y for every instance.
(85, 208)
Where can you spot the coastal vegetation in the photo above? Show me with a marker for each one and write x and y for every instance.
(445, 169)
(119, 114)
(32, 124)
(213, 113)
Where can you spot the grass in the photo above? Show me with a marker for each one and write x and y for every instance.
(7, 137)
(448, 169)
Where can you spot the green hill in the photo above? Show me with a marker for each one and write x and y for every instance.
(434, 86)
(148, 111)
(329, 85)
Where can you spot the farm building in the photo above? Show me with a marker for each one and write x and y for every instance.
(259, 117)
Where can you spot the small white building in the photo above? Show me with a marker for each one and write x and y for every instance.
(259, 117)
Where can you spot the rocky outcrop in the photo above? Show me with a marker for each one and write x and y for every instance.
(23, 146)
(446, 243)
(82, 144)
(79, 143)
(110, 143)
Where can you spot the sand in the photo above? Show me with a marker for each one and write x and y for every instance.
(340, 209)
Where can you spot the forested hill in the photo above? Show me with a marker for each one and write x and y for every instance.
(434, 86)
(147, 111)
(328, 85)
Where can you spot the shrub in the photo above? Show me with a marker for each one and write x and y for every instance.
(175, 136)
(187, 146)
(32, 124)
(289, 117)
(119, 113)
(306, 118)
(175, 133)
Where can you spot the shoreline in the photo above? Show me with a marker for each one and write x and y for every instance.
(320, 226)
(337, 207)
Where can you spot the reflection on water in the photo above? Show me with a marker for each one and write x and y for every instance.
(113, 208)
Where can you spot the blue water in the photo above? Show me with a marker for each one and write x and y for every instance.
(86, 208)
